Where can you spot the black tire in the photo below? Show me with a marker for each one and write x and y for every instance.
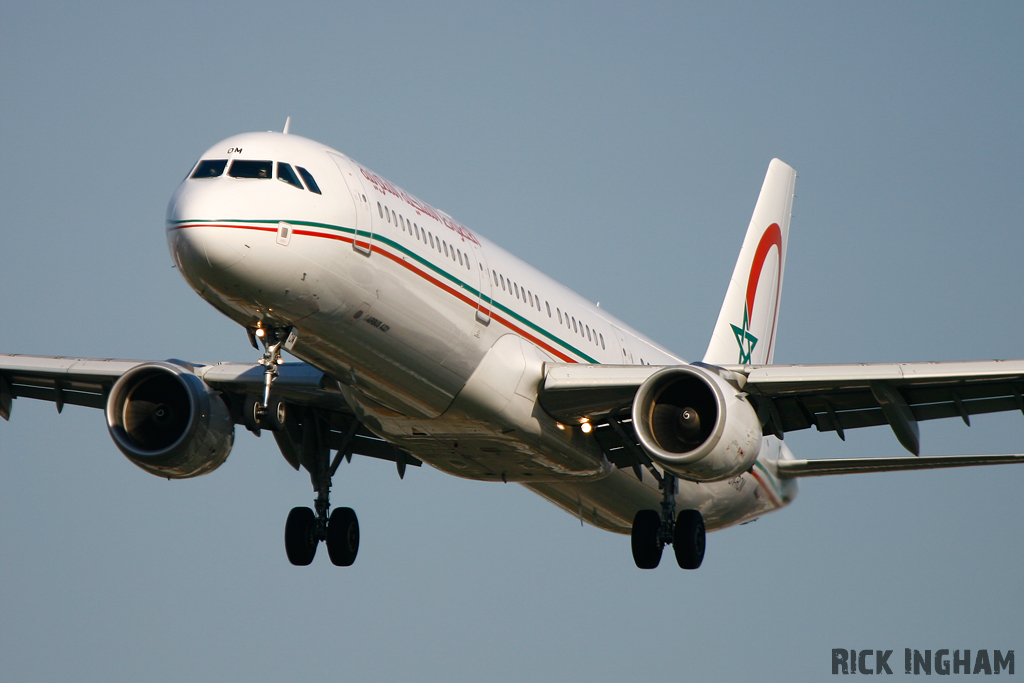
(275, 415)
(343, 536)
(644, 539)
(251, 413)
(688, 542)
(300, 536)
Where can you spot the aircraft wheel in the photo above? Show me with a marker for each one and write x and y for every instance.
(689, 539)
(644, 539)
(343, 536)
(275, 415)
(299, 536)
(251, 414)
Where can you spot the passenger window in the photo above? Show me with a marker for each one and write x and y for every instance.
(209, 168)
(308, 178)
(588, 333)
(431, 236)
(379, 210)
(460, 257)
(574, 324)
(602, 340)
(249, 168)
(287, 175)
(502, 282)
(548, 304)
(387, 214)
(559, 310)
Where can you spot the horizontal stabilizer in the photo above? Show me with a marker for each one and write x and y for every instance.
(789, 469)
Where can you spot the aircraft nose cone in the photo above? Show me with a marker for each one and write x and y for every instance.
(199, 244)
(220, 254)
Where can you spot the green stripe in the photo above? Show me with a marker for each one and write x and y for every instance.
(419, 259)
(771, 480)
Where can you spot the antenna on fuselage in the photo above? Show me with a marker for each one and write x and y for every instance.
(287, 125)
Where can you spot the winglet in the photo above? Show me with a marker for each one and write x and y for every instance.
(746, 327)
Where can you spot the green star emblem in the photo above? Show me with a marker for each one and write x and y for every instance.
(746, 341)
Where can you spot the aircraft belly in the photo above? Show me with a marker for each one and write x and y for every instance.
(612, 502)
(496, 430)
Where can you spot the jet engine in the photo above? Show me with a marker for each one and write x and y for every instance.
(695, 424)
(169, 422)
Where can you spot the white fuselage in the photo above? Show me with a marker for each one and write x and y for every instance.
(436, 336)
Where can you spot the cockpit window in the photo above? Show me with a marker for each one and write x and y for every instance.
(286, 174)
(209, 168)
(245, 168)
(308, 177)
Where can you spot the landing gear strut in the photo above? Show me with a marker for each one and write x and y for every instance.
(270, 412)
(653, 531)
(305, 528)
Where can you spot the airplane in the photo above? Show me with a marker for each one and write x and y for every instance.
(420, 341)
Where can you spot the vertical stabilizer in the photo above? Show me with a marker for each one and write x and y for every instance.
(746, 327)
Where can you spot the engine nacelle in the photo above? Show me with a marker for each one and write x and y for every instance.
(169, 422)
(695, 425)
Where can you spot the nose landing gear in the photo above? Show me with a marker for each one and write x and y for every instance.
(270, 412)
(653, 531)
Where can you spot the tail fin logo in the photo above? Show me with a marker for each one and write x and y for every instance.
(772, 237)
(746, 340)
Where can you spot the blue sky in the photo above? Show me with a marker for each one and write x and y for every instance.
(617, 147)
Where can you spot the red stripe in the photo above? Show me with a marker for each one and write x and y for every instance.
(767, 489)
(403, 262)
(772, 237)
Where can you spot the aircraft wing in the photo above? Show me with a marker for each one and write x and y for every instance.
(88, 381)
(793, 397)
(840, 397)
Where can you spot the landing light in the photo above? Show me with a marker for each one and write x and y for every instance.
(586, 427)
(260, 332)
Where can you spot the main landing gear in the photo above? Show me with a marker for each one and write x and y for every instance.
(305, 528)
(303, 438)
(653, 531)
